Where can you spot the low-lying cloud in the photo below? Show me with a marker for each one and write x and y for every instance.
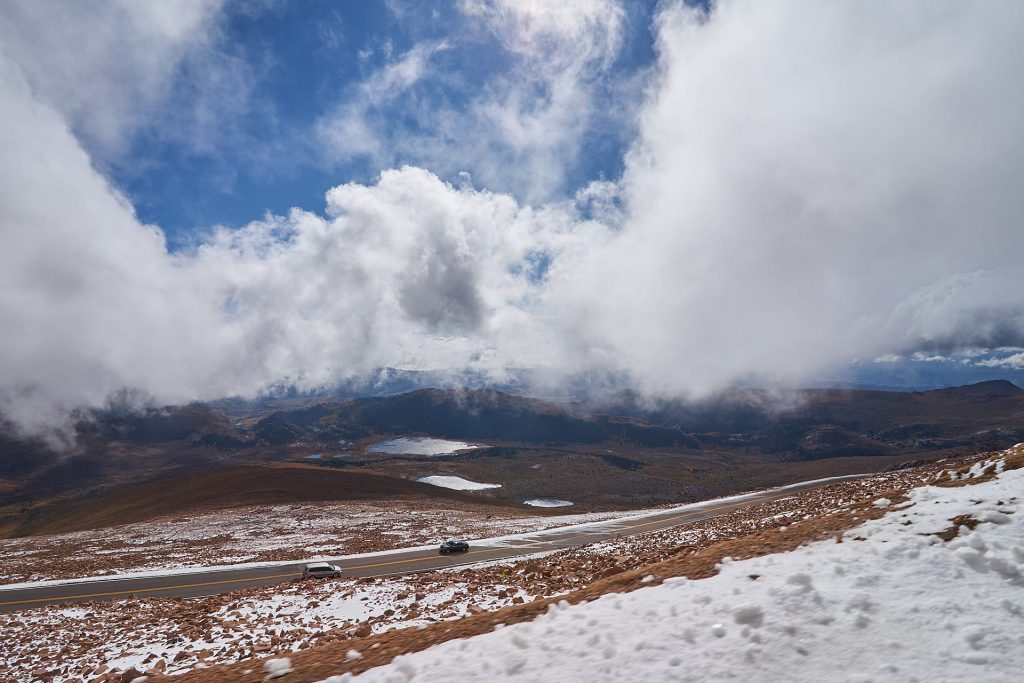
(810, 184)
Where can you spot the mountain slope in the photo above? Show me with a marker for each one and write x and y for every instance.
(232, 487)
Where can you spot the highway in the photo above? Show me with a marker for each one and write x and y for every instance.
(202, 582)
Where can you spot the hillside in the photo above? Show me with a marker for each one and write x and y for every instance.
(619, 455)
(463, 414)
(842, 572)
(851, 604)
(234, 487)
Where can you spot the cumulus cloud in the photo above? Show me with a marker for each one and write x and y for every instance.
(107, 67)
(524, 129)
(409, 272)
(810, 184)
(1014, 361)
(813, 183)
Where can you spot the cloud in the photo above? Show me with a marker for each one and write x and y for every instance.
(810, 184)
(522, 130)
(409, 272)
(1014, 362)
(358, 127)
(108, 67)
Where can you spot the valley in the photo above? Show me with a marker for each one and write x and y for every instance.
(134, 466)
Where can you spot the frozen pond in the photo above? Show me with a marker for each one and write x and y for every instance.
(417, 445)
(547, 503)
(457, 483)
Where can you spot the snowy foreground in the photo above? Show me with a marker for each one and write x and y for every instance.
(892, 602)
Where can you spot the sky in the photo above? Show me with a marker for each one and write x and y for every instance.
(207, 198)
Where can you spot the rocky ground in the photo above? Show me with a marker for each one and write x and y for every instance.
(260, 534)
(114, 641)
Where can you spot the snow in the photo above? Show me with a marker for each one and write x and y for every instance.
(308, 533)
(547, 502)
(891, 602)
(276, 668)
(457, 483)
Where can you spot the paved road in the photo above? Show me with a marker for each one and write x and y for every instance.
(210, 582)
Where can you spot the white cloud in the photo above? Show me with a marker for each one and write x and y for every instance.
(923, 357)
(108, 66)
(1013, 362)
(812, 183)
(357, 128)
(523, 130)
(410, 272)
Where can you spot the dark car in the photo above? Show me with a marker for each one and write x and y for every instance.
(321, 570)
(454, 547)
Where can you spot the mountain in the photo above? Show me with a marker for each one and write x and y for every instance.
(117, 445)
(480, 414)
(623, 453)
(988, 413)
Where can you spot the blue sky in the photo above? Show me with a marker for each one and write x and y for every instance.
(298, 62)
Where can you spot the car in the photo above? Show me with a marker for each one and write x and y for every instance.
(454, 547)
(321, 570)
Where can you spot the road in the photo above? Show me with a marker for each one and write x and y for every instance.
(204, 582)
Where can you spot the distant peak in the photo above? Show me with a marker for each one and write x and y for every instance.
(992, 387)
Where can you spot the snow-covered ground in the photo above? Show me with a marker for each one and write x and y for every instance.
(90, 641)
(933, 591)
(280, 534)
(257, 535)
(176, 636)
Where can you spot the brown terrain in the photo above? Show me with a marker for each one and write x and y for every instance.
(623, 574)
(614, 456)
(472, 601)
(233, 487)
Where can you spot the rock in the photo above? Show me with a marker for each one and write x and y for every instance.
(130, 675)
(363, 630)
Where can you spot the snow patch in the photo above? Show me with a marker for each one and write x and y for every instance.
(276, 668)
(457, 483)
(547, 502)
